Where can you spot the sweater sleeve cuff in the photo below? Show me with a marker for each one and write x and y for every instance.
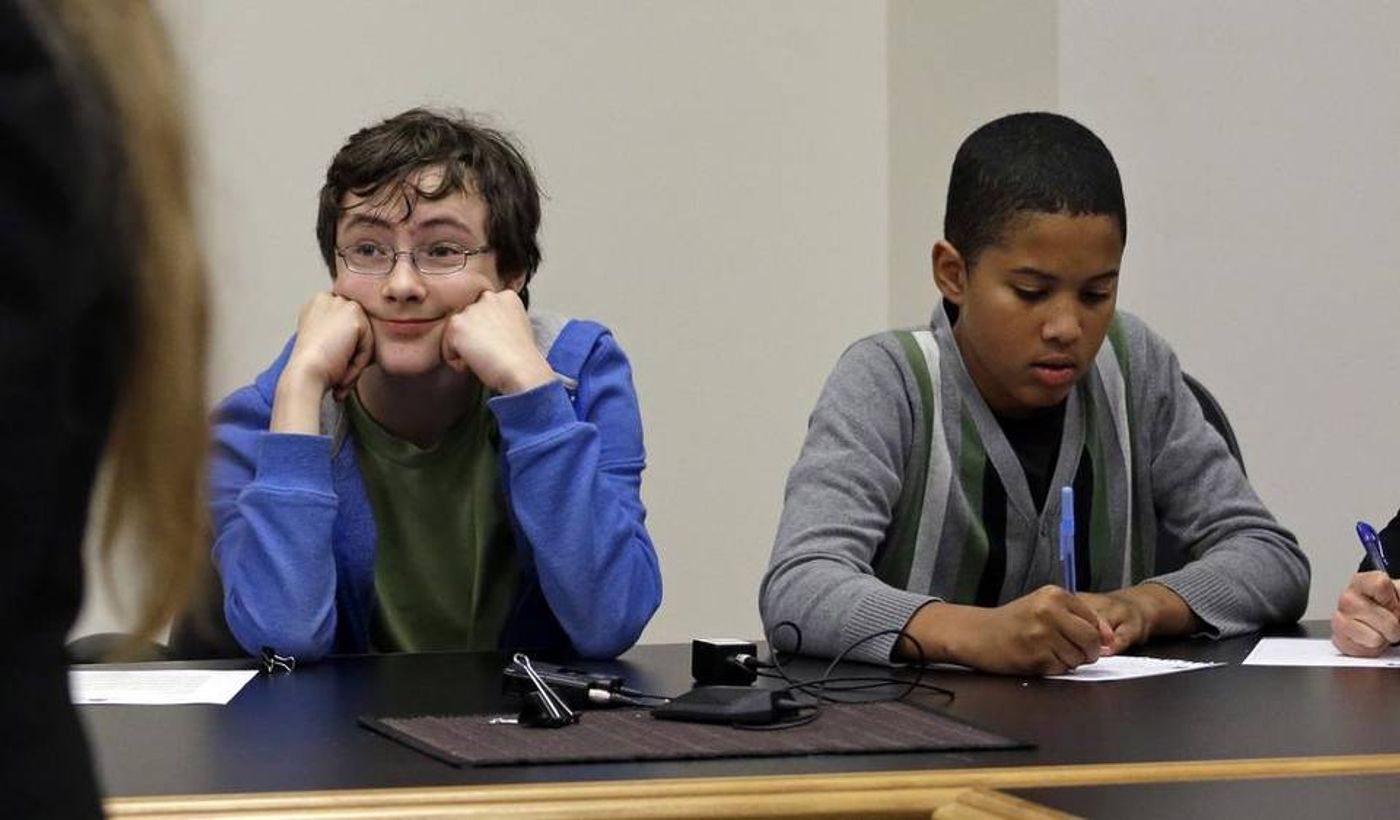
(885, 608)
(294, 461)
(535, 411)
(1212, 598)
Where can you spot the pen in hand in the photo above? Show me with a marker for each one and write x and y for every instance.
(1372, 543)
(1068, 566)
(1067, 538)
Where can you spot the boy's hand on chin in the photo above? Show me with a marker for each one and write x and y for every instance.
(492, 338)
(334, 344)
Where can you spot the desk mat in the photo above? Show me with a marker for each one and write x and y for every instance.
(632, 734)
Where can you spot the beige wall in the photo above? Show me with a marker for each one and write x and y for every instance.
(953, 66)
(741, 189)
(1260, 148)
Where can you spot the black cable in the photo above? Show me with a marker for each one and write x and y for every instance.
(630, 692)
(825, 692)
(823, 689)
(604, 697)
(864, 682)
(840, 656)
(774, 652)
(777, 664)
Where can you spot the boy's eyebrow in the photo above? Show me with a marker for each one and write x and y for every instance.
(375, 221)
(1046, 275)
(357, 219)
(443, 221)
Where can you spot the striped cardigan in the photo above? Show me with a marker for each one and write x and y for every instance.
(907, 491)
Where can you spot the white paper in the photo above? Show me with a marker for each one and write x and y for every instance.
(1127, 667)
(1312, 652)
(156, 688)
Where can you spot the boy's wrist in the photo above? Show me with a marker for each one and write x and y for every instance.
(1164, 612)
(935, 627)
(302, 375)
(529, 374)
(296, 402)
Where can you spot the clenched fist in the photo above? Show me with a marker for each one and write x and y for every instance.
(492, 338)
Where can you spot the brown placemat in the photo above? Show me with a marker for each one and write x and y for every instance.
(617, 735)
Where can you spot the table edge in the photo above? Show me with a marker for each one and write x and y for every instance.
(845, 793)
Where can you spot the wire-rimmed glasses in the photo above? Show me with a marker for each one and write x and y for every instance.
(436, 259)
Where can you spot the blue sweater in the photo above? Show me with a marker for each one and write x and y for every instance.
(295, 535)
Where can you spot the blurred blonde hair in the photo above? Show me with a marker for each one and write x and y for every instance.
(153, 471)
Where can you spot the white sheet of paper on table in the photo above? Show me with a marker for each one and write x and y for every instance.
(1128, 667)
(1312, 652)
(156, 687)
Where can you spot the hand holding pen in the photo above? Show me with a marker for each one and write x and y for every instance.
(1048, 631)
(1125, 616)
(1070, 572)
(1367, 620)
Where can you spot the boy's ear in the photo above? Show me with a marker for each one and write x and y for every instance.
(949, 271)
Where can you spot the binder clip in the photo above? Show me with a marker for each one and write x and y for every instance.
(273, 662)
(542, 707)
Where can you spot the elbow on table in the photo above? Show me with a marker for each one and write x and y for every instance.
(609, 634)
(306, 640)
(1297, 604)
(782, 629)
(1294, 602)
(603, 648)
(778, 605)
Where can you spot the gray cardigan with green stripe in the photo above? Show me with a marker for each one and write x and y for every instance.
(907, 491)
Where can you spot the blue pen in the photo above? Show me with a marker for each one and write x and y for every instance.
(1372, 543)
(1067, 537)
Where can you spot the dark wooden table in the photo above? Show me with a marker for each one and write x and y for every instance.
(295, 738)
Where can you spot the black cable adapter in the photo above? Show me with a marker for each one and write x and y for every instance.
(724, 662)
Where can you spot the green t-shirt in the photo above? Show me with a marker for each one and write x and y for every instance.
(445, 571)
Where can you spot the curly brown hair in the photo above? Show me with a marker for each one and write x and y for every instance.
(378, 162)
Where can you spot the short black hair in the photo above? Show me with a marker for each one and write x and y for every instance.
(1028, 163)
(474, 157)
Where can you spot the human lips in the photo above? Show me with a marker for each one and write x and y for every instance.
(1055, 371)
(406, 326)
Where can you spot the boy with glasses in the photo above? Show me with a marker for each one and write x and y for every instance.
(427, 465)
(926, 515)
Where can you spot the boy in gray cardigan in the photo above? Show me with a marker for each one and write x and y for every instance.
(920, 521)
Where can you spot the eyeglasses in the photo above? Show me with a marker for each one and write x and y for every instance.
(437, 259)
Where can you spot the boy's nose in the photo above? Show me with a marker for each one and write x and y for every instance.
(1063, 327)
(403, 281)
